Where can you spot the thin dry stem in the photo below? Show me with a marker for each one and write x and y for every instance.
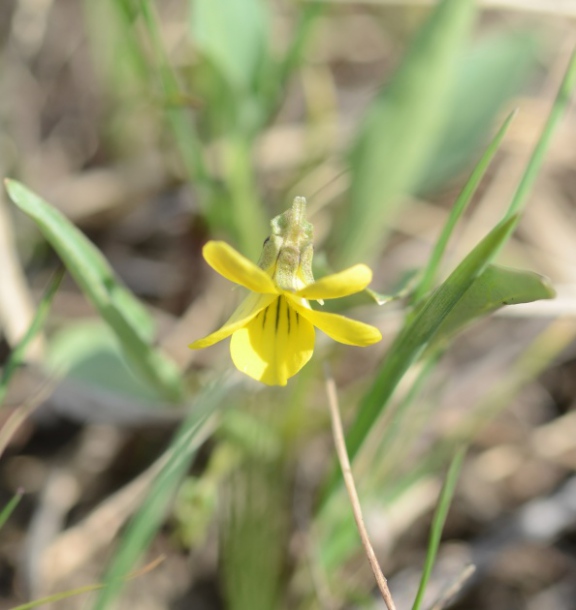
(16, 303)
(453, 589)
(340, 444)
(21, 413)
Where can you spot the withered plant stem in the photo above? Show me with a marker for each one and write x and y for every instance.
(340, 443)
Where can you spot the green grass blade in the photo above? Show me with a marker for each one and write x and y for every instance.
(56, 597)
(338, 532)
(560, 104)
(10, 507)
(420, 330)
(178, 118)
(402, 128)
(116, 304)
(397, 422)
(460, 206)
(438, 523)
(308, 17)
(150, 516)
(17, 355)
(111, 27)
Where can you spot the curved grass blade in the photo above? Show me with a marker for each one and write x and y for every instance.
(56, 597)
(149, 519)
(307, 18)
(460, 206)
(535, 162)
(423, 326)
(17, 355)
(10, 507)
(178, 119)
(115, 303)
(438, 523)
(421, 329)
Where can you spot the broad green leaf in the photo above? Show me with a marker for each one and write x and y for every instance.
(402, 128)
(421, 328)
(234, 35)
(494, 70)
(87, 351)
(149, 518)
(117, 306)
(494, 288)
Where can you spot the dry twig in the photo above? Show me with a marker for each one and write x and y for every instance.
(340, 444)
(16, 303)
(450, 591)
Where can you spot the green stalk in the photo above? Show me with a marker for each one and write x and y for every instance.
(179, 120)
(246, 209)
(10, 507)
(17, 356)
(438, 523)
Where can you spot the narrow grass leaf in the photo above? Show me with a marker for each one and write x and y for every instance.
(421, 328)
(308, 17)
(178, 118)
(150, 516)
(118, 59)
(115, 303)
(402, 128)
(438, 523)
(560, 104)
(10, 507)
(56, 597)
(460, 206)
(17, 356)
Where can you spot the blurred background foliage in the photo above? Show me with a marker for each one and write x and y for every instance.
(147, 128)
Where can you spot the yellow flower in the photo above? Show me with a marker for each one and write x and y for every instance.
(273, 328)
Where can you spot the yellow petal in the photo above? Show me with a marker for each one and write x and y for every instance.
(338, 285)
(251, 306)
(275, 345)
(339, 328)
(237, 268)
